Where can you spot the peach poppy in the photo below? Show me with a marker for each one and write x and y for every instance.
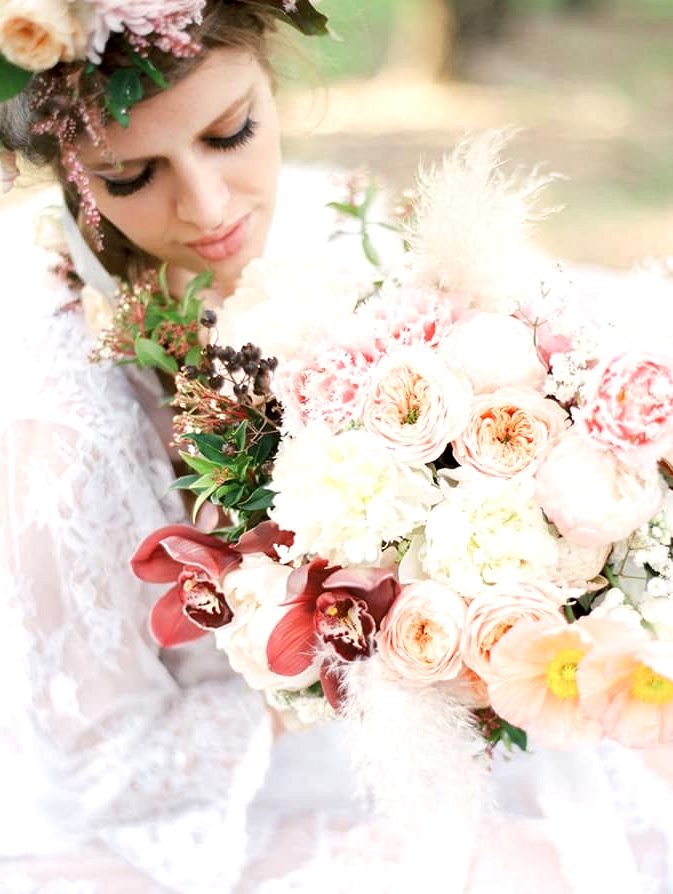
(533, 682)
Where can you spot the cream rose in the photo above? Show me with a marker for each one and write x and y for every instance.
(97, 311)
(496, 610)
(36, 34)
(593, 498)
(255, 591)
(494, 350)
(420, 636)
(509, 431)
(415, 404)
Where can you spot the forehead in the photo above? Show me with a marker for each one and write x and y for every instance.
(223, 81)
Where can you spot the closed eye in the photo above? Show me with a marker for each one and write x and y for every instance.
(237, 139)
(128, 187)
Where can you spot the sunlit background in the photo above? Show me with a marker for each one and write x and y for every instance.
(588, 82)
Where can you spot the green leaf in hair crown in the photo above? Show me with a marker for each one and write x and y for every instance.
(300, 13)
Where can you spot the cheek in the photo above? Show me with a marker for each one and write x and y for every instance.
(138, 217)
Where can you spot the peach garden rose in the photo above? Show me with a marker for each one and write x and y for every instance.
(420, 636)
(36, 34)
(509, 430)
(415, 404)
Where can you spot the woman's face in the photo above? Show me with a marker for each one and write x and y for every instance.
(195, 173)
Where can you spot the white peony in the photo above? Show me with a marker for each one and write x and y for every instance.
(344, 495)
(255, 591)
(485, 531)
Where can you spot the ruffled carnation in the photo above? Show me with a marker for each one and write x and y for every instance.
(415, 404)
(593, 498)
(494, 350)
(421, 634)
(509, 431)
(628, 407)
(345, 495)
(407, 314)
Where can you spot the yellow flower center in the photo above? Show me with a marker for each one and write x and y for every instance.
(650, 687)
(562, 671)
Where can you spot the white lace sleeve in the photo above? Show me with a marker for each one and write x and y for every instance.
(97, 738)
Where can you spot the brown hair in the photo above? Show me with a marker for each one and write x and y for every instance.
(236, 24)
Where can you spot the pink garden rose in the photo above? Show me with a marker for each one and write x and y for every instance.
(494, 612)
(592, 497)
(628, 407)
(494, 350)
(415, 404)
(421, 634)
(533, 682)
(626, 683)
(509, 430)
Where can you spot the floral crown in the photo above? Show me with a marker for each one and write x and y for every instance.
(37, 35)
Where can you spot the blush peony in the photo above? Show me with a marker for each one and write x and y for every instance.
(420, 636)
(494, 350)
(415, 404)
(628, 407)
(509, 431)
(36, 34)
(592, 497)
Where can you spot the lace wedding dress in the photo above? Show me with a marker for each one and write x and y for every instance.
(124, 769)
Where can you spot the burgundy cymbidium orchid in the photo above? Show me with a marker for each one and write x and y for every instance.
(339, 607)
(197, 563)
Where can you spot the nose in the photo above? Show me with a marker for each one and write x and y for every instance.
(201, 197)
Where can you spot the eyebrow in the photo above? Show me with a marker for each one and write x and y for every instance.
(130, 162)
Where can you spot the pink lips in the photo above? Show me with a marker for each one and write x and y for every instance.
(222, 245)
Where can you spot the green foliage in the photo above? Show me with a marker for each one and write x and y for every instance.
(12, 79)
(359, 211)
(496, 730)
(122, 90)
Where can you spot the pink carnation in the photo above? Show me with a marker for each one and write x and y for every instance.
(408, 315)
(509, 431)
(415, 404)
(593, 498)
(628, 407)
(533, 682)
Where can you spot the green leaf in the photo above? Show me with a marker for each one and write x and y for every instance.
(203, 281)
(123, 89)
(210, 445)
(185, 482)
(146, 67)
(240, 435)
(12, 79)
(262, 450)
(262, 498)
(193, 357)
(344, 208)
(515, 735)
(149, 353)
(199, 503)
(370, 252)
(304, 16)
(199, 464)
(232, 499)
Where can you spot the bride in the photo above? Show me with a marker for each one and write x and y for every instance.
(124, 768)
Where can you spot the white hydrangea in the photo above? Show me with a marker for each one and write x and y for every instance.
(485, 530)
(344, 495)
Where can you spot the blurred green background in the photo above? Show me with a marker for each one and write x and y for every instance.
(588, 82)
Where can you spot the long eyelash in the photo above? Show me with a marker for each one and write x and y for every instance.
(244, 135)
(128, 187)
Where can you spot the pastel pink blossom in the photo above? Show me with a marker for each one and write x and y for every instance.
(532, 682)
(493, 350)
(415, 404)
(509, 430)
(420, 635)
(326, 382)
(628, 407)
(168, 20)
(497, 609)
(626, 683)
(592, 497)
(410, 314)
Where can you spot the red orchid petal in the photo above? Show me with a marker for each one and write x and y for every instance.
(213, 557)
(289, 650)
(379, 587)
(332, 686)
(264, 538)
(168, 623)
(150, 562)
(305, 583)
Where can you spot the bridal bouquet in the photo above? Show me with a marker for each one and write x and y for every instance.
(450, 519)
